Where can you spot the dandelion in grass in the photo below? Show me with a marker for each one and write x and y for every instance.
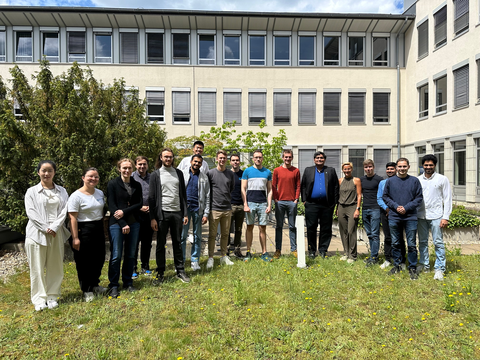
(461, 324)
(248, 309)
(410, 339)
(349, 320)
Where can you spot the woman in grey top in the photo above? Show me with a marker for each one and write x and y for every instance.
(46, 207)
(348, 211)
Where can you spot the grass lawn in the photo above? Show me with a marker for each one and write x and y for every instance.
(255, 310)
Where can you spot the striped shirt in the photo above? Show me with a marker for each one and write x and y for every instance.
(257, 183)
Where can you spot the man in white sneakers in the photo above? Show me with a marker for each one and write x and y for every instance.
(433, 215)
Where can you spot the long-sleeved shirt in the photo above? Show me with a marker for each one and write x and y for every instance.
(437, 197)
(406, 192)
(145, 181)
(380, 201)
(286, 183)
(186, 163)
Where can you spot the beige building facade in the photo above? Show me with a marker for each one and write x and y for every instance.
(352, 85)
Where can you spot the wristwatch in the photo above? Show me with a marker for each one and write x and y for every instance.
(358, 208)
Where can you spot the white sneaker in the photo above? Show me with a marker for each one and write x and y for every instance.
(190, 239)
(438, 275)
(40, 307)
(403, 266)
(350, 261)
(225, 260)
(99, 290)
(385, 264)
(88, 296)
(195, 266)
(52, 304)
(210, 263)
(344, 258)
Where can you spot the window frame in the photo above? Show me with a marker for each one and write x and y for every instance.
(282, 62)
(51, 58)
(439, 151)
(28, 58)
(423, 111)
(339, 39)
(441, 108)
(421, 151)
(377, 108)
(76, 56)
(351, 103)
(353, 158)
(179, 60)
(227, 104)
(181, 117)
(458, 15)
(3, 58)
(207, 107)
(160, 119)
(440, 27)
(133, 52)
(422, 37)
(307, 108)
(262, 108)
(456, 177)
(380, 166)
(330, 119)
(282, 112)
(239, 60)
(380, 63)
(312, 61)
(458, 75)
(264, 60)
(207, 61)
(354, 62)
(97, 58)
(147, 48)
(477, 143)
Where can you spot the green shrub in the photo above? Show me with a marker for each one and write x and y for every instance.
(461, 218)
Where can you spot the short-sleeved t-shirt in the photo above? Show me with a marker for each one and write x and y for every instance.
(88, 207)
(257, 183)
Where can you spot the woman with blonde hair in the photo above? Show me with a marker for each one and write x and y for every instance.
(46, 207)
(348, 211)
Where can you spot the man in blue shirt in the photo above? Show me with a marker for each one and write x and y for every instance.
(403, 195)
(198, 207)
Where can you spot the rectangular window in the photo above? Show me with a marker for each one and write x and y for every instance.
(282, 50)
(460, 90)
(306, 50)
(357, 157)
(103, 48)
(231, 50)
(24, 46)
(381, 157)
(232, 107)
(331, 51)
(331, 108)
(478, 79)
(422, 31)
(461, 13)
(281, 108)
(421, 152)
(17, 111)
(181, 107)
(441, 94)
(207, 107)
(305, 159)
(76, 46)
(423, 101)
(2, 46)
(356, 108)
(181, 48)
(206, 49)
(156, 105)
(257, 108)
(380, 51)
(381, 108)
(460, 163)
(439, 152)
(306, 108)
(256, 50)
(334, 160)
(440, 18)
(355, 51)
(478, 161)
(128, 48)
(50, 46)
(155, 48)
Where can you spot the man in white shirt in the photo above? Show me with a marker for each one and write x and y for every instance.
(433, 215)
(197, 149)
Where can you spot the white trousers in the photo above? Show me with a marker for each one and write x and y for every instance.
(46, 268)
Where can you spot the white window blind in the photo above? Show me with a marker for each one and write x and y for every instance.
(257, 103)
(422, 31)
(281, 108)
(232, 107)
(306, 108)
(207, 107)
(461, 87)
(129, 48)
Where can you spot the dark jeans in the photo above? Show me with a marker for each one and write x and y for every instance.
(117, 238)
(315, 214)
(371, 223)
(410, 227)
(387, 245)
(238, 216)
(145, 238)
(283, 208)
(173, 221)
(90, 258)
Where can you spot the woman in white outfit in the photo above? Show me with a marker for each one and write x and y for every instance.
(46, 206)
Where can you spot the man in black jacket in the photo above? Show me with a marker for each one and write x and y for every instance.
(320, 192)
(168, 211)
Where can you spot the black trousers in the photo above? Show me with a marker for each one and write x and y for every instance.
(173, 222)
(238, 216)
(145, 238)
(387, 244)
(315, 214)
(90, 258)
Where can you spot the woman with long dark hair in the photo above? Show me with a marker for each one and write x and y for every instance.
(46, 207)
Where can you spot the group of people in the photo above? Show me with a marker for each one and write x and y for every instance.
(169, 200)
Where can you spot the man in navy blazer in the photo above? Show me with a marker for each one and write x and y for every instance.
(320, 192)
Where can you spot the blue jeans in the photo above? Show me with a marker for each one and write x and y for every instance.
(290, 209)
(371, 223)
(423, 228)
(410, 227)
(195, 219)
(116, 249)
(257, 210)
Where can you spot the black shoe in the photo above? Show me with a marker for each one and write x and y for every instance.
(182, 276)
(131, 289)
(311, 255)
(371, 262)
(413, 274)
(158, 280)
(395, 270)
(323, 255)
(238, 254)
(114, 293)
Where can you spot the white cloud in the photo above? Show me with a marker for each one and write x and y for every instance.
(321, 6)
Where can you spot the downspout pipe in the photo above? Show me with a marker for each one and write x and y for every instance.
(399, 150)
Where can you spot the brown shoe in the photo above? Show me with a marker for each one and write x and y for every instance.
(277, 254)
(294, 253)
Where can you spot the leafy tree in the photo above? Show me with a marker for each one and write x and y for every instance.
(72, 119)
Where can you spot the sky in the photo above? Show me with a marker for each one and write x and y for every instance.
(320, 6)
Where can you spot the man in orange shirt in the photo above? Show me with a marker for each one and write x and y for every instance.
(286, 191)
